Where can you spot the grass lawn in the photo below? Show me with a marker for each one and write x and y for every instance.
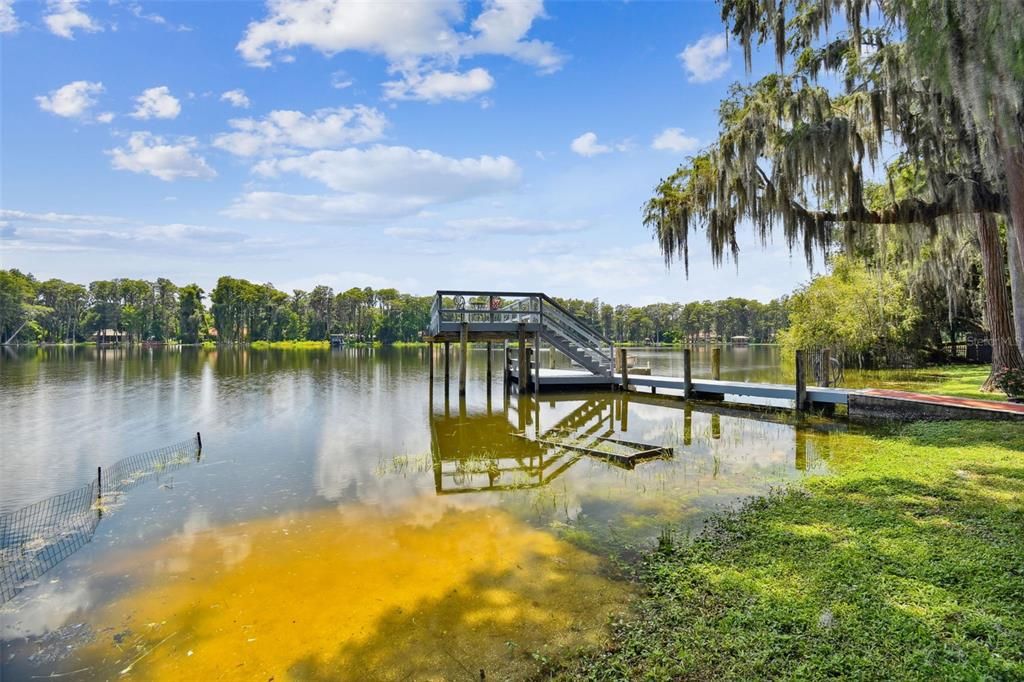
(906, 563)
(963, 381)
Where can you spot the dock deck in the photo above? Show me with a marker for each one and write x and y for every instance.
(555, 379)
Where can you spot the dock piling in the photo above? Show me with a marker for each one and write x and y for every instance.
(687, 375)
(623, 369)
(430, 360)
(801, 383)
(447, 363)
(464, 352)
(524, 365)
(716, 364)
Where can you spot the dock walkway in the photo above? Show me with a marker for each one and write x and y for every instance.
(532, 320)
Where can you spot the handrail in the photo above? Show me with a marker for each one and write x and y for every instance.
(582, 323)
(526, 294)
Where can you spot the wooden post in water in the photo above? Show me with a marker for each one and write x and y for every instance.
(524, 366)
(536, 366)
(464, 352)
(623, 369)
(489, 351)
(716, 363)
(99, 483)
(687, 375)
(430, 360)
(801, 383)
(447, 362)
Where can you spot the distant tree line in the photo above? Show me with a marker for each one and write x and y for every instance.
(240, 311)
(684, 322)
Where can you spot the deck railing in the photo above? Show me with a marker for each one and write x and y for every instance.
(532, 308)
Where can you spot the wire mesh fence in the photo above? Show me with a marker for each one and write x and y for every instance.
(37, 537)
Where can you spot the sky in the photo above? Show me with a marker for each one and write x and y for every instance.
(418, 145)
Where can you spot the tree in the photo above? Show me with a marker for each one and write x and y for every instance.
(792, 154)
(190, 314)
(853, 310)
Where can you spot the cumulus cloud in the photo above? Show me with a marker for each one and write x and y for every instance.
(64, 17)
(675, 140)
(156, 102)
(376, 183)
(74, 100)
(152, 154)
(587, 145)
(283, 131)
(440, 85)
(237, 98)
(8, 20)
(706, 59)
(420, 40)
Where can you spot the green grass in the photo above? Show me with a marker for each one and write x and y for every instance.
(289, 345)
(963, 381)
(906, 563)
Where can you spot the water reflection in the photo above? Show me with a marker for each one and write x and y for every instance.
(344, 492)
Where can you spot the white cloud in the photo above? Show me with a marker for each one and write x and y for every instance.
(374, 184)
(105, 117)
(139, 13)
(467, 228)
(399, 31)
(706, 59)
(54, 217)
(156, 102)
(322, 209)
(411, 172)
(64, 17)
(283, 131)
(8, 20)
(237, 98)
(73, 100)
(587, 145)
(675, 140)
(74, 232)
(438, 85)
(341, 80)
(148, 153)
(420, 40)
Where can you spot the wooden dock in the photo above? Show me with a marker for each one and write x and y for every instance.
(532, 321)
(708, 389)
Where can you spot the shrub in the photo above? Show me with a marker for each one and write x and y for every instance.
(1010, 380)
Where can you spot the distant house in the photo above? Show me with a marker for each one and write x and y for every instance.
(740, 340)
(337, 339)
(107, 337)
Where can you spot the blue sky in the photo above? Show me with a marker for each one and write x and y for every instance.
(416, 145)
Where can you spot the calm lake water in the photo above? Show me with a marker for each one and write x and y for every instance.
(346, 520)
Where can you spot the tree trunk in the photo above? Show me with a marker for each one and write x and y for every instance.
(1013, 167)
(1016, 285)
(1005, 352)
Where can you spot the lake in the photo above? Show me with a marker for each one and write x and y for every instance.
(345, 519)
